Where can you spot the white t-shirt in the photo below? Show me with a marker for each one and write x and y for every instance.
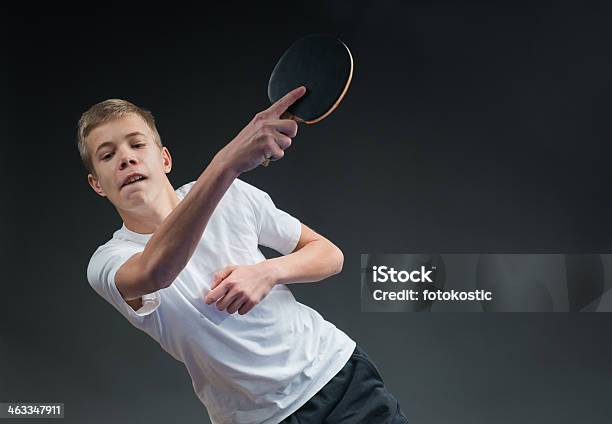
(254, 368)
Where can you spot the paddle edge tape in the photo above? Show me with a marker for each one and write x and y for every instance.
(344, 91)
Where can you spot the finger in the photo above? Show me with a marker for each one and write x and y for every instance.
(246, 307)
(273, 153)
(222, 275)
(287, 127)
(235, 305)
(282, 140)
(217, 278)
(227, 300)
(216, 294)
(282, 104)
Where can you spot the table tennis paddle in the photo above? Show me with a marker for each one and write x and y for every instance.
(324, 65)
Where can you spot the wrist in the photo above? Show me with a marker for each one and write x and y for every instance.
(224, 165)
(273, 272)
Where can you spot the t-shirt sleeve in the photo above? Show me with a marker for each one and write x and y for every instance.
(276, 228)
(103, 265)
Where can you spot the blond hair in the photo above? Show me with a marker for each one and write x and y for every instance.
(106, 111)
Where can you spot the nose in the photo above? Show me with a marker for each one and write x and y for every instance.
(127, 158)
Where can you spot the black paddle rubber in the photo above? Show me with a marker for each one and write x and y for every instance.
(321, 63)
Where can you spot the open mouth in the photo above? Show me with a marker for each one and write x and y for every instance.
(134, 180)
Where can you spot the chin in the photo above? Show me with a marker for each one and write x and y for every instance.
(127, 200)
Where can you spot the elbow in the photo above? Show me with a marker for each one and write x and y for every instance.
(159, 273)
(338, 260)
(160, 279)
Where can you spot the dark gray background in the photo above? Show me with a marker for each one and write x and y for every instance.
(468, 128)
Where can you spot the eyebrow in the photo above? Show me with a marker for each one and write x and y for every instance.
(110, 143)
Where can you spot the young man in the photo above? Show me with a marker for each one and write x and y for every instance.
(185, 268)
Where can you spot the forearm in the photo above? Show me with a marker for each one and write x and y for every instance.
(315, 261)
(240, 288)
(175, 240)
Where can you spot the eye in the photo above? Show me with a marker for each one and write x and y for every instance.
(139, 144)
(106, 157)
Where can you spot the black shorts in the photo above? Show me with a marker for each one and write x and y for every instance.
(355, 395)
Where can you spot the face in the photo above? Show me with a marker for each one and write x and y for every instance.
(123, 147)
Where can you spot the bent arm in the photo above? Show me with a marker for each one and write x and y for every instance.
(173, 243)
(175, 240)
(314, 259)
(240, 288)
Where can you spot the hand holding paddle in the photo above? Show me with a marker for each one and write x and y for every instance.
(321, 63)
(265, 137)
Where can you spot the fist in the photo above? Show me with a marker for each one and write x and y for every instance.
(265, 137)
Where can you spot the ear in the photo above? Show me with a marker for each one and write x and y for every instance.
(93, 182)
(166, 159)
